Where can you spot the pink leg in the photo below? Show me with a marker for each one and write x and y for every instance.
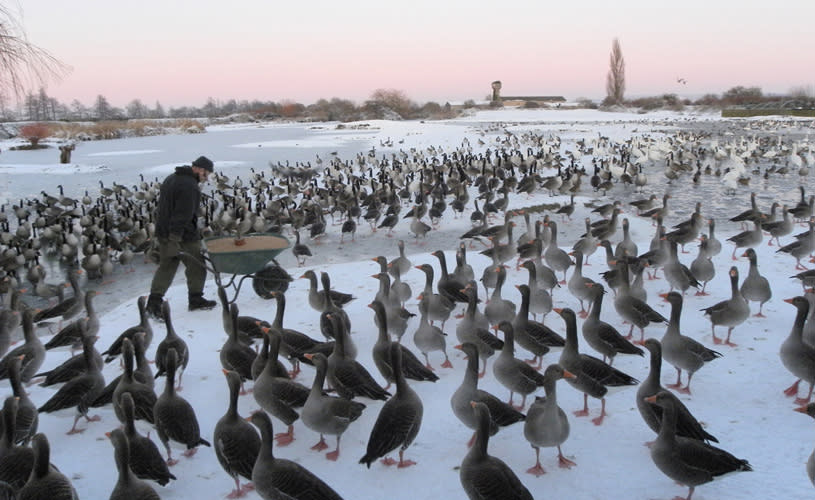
(321, 445)
(678, 380)
(599, 420)
(564, 462)
(537, 470)
(793, 389)
(585, 411)
(333, 455)
(402, 462)
(285, 438)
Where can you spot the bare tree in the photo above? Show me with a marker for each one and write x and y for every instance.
(615, 80)
(23, 64)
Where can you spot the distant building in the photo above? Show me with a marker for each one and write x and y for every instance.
(523, 101)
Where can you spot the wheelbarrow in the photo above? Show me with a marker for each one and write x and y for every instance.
(251, 256)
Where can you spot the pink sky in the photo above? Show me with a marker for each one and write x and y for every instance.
(181, 52)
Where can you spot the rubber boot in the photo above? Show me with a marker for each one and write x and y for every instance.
(197, 302)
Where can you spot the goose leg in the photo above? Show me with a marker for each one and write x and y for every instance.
(321, 445)
(333, 455)
(727, 340)
(537, 470)
(803, 401)
(599, 420)
(285, 438)
(402, 462)
(678, 380)
(564, 462)
(585, 411)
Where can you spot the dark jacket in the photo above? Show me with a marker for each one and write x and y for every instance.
(178, 202)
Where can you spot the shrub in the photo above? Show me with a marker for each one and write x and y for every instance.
(34, 132)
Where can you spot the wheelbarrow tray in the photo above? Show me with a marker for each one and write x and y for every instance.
(230, 255)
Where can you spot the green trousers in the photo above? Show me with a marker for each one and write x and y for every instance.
(194, 268)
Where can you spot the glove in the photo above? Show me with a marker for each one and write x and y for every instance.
(174, 246)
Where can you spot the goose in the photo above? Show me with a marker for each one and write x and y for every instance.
(731, 312)
(501, 414)
(592, 376)
(540, 301)
(347, 376)
(237, 444)
(677, 274)
(601, 336)
(644, 204)
(474, 328)
(301, 251)
(484, 476)
(499, 309)
(234, 354)
(446, 284)
(533, 336)
(651, 413)
(797, 356)
(714, 246)
(755, 286)
(578, 285)
(809, 409)
(412, 367)
(279, 478)
(747, 239)
(26, 416)
(71, 334)
(398, 421)
(277, 394)
(801, 247)
(46, 482)
(16, 461)
(435, 306)
(171, 341)
(556, 258)
(513, 373)
(429, 338)
(689, 462)
(683, 352)
(174, 417)
(31, 353)
(128, 486)
(327, 414)
(632, 309)
(702, 267)
(142, 394)
(80, 391)
(143, 326)
(546, 423)
(777, 229)
(146, 461)
(627, 245)
(400, 264)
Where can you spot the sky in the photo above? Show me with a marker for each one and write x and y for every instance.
(183, 52)
(738, 397)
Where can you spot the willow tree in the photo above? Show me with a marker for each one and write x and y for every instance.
(23, 65)
(615, 80)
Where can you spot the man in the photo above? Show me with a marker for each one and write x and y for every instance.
(176, 232)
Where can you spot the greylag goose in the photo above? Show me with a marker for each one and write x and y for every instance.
(69, 307)
(593, 377)
(546, 423)
(809, 409)
(513, 373)
(347, 376)
(747, 239)
(658, 212)
(128, 486)
(555, 257)
(237, 444)
(429, 338)
(281, 479)
(447, 285)
(171, 341)
(755, 286)
(327, 414)
(702, 266)
(780, 228)
(400, 264)
(143, 396)
(801, 247)
(293, 343)
(398, 316)
(644, 204)
(751, 214)
(632, 309)
(499, 309)
(71, 334)
(277, 394)
(174, 417)
(688, 230)
(626, 247)
(501, 414)
(686, 423)
(143, 326)
(601, 336)
(146, 461)
(16, 461)
(533, 336)
(683, 352)
(435, 306)
(677, 274)
(27, 418)
(587, 244)
(483, 476)
(412, 367)
(579, 286)
(31, 353)
(46, 482)
(463, 272)
(475, 328)
(688, 461)
(540, 301)
(714, 246)
(317, 298)
(234, 354)
(731, 312)
(80, 391)
(797, 356)
(336, 309)
(398, 421)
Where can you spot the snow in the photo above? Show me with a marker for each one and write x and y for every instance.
(738, 397)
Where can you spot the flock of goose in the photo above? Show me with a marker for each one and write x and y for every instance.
(418, 191)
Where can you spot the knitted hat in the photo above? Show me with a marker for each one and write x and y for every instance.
(204, 162)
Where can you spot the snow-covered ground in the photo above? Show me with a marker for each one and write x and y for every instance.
(738, 397)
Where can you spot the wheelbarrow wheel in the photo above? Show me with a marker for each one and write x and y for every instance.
(272, 278)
